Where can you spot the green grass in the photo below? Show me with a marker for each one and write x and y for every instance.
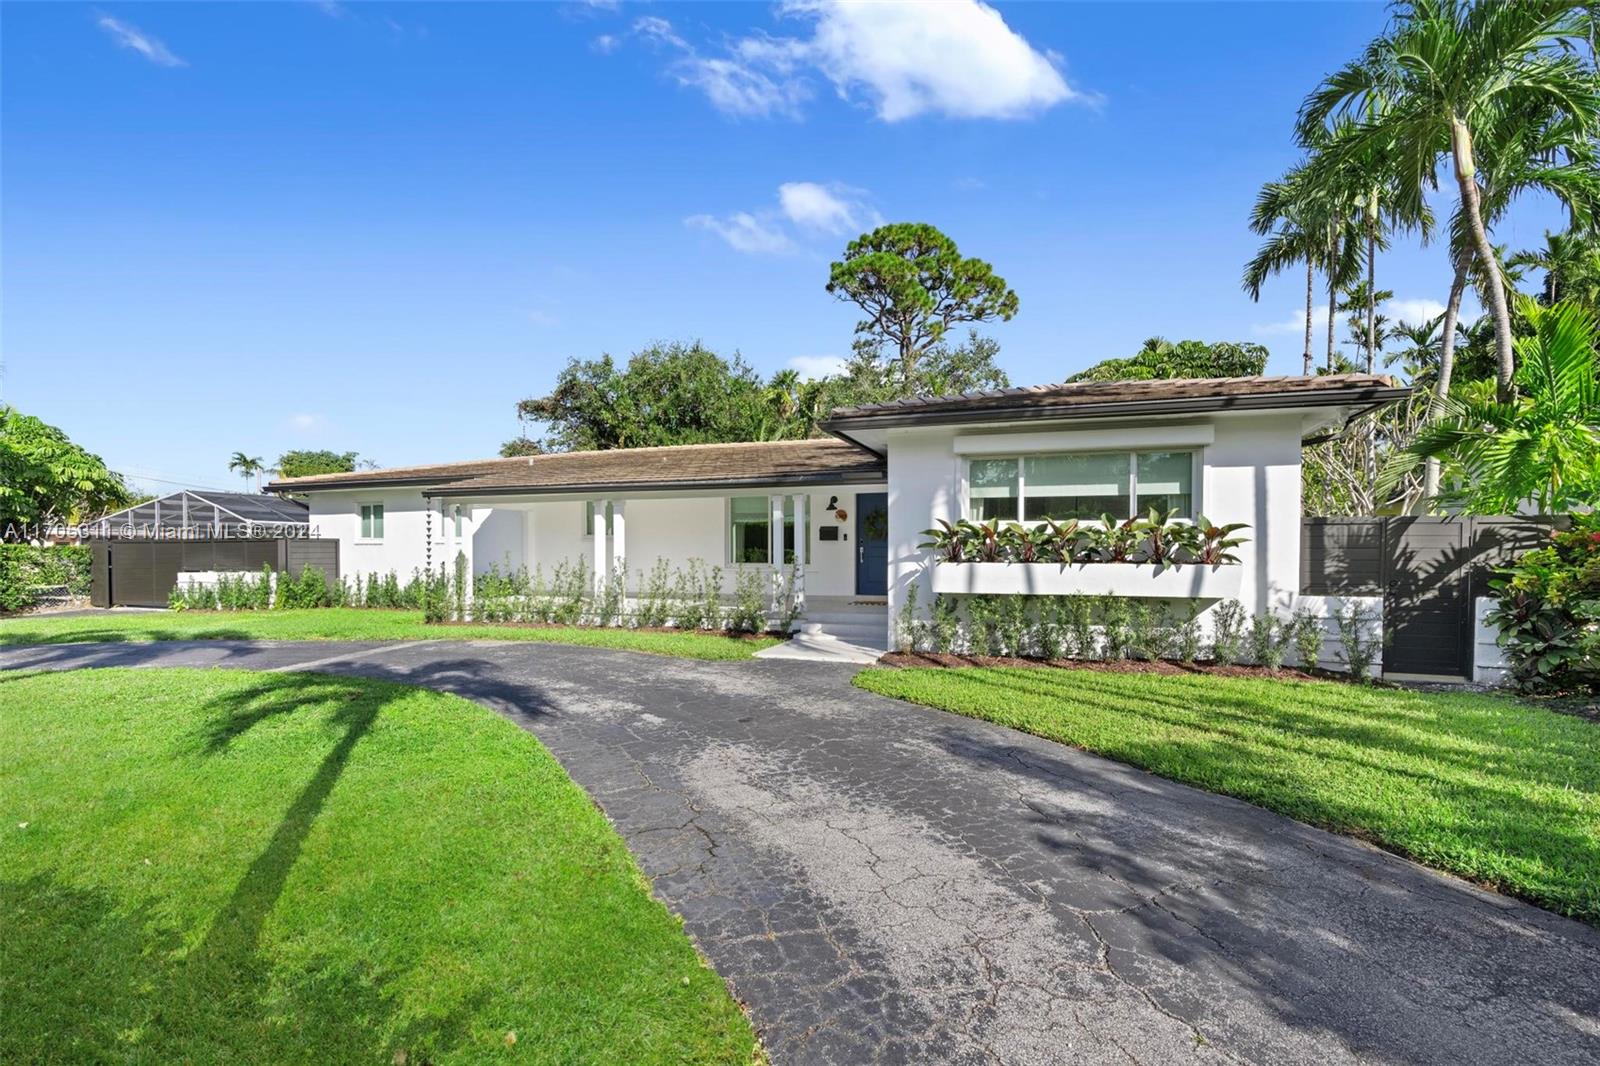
(229, 866)
(1494, 790)
(350, 623)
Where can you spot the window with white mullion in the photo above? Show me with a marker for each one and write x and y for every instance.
(1080, 485)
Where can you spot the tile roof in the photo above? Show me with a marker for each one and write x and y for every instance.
(709, 465)
(1087, 394)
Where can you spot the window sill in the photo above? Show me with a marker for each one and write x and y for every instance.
(369, 543)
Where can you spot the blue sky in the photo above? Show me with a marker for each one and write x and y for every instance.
(374, 227)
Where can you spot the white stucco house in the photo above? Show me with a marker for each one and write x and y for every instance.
(849, 511)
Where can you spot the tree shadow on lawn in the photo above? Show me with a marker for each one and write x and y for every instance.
(90, 981)
(1481, 825)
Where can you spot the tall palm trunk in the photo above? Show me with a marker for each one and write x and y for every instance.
(1310, 298)
(1372, 288)
(1467, 179)
(1333, 292)
(1447, 362)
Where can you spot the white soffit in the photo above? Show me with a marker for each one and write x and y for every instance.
(1074, 440)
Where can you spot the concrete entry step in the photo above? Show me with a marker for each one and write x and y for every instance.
(816, 648)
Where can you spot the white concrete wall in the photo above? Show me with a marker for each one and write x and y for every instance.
(337, 514)
(546, 532)
(1250, 473)
(1489, 663)
(1327, 608)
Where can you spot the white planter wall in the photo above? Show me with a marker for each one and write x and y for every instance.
(1121, 579)
(1327, 608)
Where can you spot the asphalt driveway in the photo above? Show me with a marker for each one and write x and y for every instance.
(886, 883)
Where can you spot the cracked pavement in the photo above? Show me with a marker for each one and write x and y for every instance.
(880, 882)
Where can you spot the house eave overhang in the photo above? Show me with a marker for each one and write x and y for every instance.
(714, 485)
(1350, 399)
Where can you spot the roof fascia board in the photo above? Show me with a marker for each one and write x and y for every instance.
(664, 488)
(1373, 397)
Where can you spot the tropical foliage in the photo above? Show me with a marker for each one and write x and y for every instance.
(1155, 538)
(307, 463)
(1541, 445)
(247, 467)
(45, 477)
(1160, 358)
(1548, 611)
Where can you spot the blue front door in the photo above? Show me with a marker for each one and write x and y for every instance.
(872, 544)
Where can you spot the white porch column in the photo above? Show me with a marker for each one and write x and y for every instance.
(775, 548)
(601, 551)
(465, 548)
(802, 548)
(619, 545)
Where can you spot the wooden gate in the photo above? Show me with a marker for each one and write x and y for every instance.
(1428, 570)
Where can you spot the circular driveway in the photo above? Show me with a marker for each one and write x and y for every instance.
(881, 882)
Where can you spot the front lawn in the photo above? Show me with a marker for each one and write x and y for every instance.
(1481, 786)
(351, 623)
(229, 866)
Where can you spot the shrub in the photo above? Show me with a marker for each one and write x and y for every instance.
(1050, 637)
(1227, 632)
(1011, 625)
(749, 612)
(1306, 635)
(908, 624)
(946, 624)
(1268, 640)
(1357, 650)
(1548, 611)
(460, 586)
(1116, 629)
(1186, 636)
(652, 611)
(983, 620)
(310, 589)
(1155, 538)
(1079, 625)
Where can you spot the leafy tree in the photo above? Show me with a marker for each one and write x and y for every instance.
(1160, 358)
(45, 477)
(307, 463)
(666, 394)
(520, 445)
(246, 466)
(914, 284)
(1542, 445)
(1445, 74)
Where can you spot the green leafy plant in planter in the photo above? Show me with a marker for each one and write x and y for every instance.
(1548, 611)
(1214, 544)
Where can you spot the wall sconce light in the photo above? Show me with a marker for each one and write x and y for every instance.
(833, 503)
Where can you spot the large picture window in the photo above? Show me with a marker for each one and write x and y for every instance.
(750, 519)
(1080, 485)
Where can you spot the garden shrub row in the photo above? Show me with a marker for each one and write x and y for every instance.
(1548, 611)
(1110, 627)
(688, 597)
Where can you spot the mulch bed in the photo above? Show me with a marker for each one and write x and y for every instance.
(1113, 666)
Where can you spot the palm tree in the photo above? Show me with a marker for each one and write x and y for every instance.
(1542, 445)
(1286, 215)
(1571, 262)
(1420, 346)
(247, 467)
(1443, 75)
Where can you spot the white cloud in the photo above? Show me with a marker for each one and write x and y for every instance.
(131, 37)
(606, 43)
(734, 85)
(306, 422)
(830, 208)
(957, 58)
(1411, 312)
(812, 367)
(1295, 323)
(745, 232)
(332, 8)
(804, 208)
